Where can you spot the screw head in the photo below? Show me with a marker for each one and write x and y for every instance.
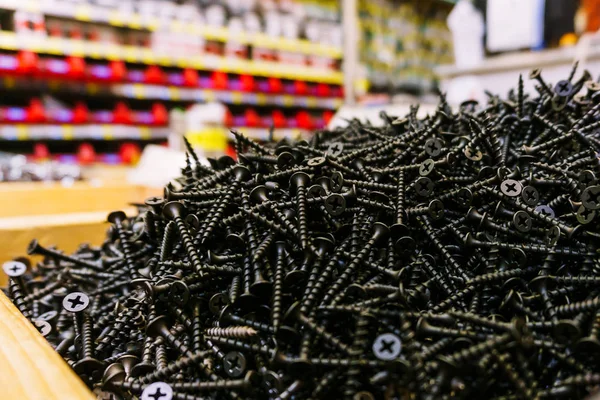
(426, 167)
(530, 195)
(336, 181)
(522, 221)
(387, 346)
(590, 197)
(563, 88)
(14, 268)
(424, 186)
(433, 147)
(335, 149)
(217, 303)
(436, 209)
(76, 302)
(157, 391)
(285, 160)
(316, 191)
(546, 210)
(335, 204)
(179, 293)
(43, 327)
(316, 161)
(585, 215)
(552, 236)
(473, 155)
(192, 222)
(173, 209)
(511, 188)
(299, 179)
(116, 216)
(234, 364)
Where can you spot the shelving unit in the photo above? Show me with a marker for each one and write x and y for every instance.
(141, 91)
(317, 72)
(91, 13)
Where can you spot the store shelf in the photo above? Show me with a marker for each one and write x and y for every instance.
(79, 132)
(169, 93)
(109, 51)
(263, 134)
(90, 13)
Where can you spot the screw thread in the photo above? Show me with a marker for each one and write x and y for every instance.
(86, 337)
(237, 332)
(16, 295)
(167, 242)
(234, 289)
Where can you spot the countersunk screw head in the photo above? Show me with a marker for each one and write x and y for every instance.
(522, 221)
(424, 186)
(426, 167)
(335, 149)
(587, 178)
(218, 302)
(316, 161)
(173, 209)
(473, 155)
(436, 209)
(157, 391)
(43, 326)
(234, 363)
(590, 198)
(511, 188)
(546, 210)
(387, 346)
(552, 236)
(336, 181)
(433, 147)
(14, 268)
(76, 302)
(585, 215)
(563, 88)
(335, 204)
(286, 160)
(530, 195)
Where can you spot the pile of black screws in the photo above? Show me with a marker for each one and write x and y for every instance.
(450, 256)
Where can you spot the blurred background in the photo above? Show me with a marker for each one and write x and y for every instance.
(98, 94)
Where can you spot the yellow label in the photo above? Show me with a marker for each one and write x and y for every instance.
(22, 132)
(9, 82)
(82, 13)
(139, 91)
(288, 100)
(130, 54)
(107, 132)
(135, 21)
(115, 18)
(67, 132)
(148, 58)
(174, 93)
(209, 95)
(237, 97)
(78, 49)
(145, 133)
(261, 99)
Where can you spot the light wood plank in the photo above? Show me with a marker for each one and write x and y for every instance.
(30, 368)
